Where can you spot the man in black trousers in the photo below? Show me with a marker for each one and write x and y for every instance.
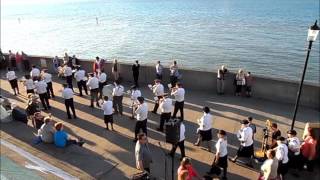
(67, 95)
(179, 144)
(135, 71)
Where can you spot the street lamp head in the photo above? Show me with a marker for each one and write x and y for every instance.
(313, 32)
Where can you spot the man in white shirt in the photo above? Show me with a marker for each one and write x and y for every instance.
(142, 116)
(166, 109)
(159, 70)
(178, 92)
(205, 128)
(282, 156)
(93, 84)
(67, 95)
(47, 77)
(41, 88)
(29, 84)
(34, 73)
(135, 93)
(246, 148)
(102, 81)
(157, 90)
(180, 144)
(80, 76)
(12, 78)
(117, 94)
(294, 149)
(107, 106)
(68, 74)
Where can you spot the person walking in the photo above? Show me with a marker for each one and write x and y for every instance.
(220, 79)
(205, 128)
(107, 112)
(93, 84)
(178, 92)
(135, 72)
(166, 109)
(159, 70)
(117, 94)
(135, 93)
(47, 77)
(142, 115)
(309, 150)
(143, 154)
(115, 70)
(180, 143)
(158, 91)
(67, 95)
(102, 81)
(269, 167)
(282, 156)
(80, 76)
(41, 89)
(12, 78)
(68, 74)
(294, 151)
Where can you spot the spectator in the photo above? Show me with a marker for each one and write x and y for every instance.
(107, 112)
(166, 109)
(282, 156)
(253, 126)
(67, 95)
(66, 58)
(205, 128)
(75, 61)
(186, 171)
(47, 131)
(309, 150)
(135, 72)
(275, 134)
(80, 76)
(178, 92)
(115, 70)
(117, 94)
(157, 90)
(29, 84)
(61, 138)
(47, 77)
(143, 154)
(25, 61)
(142, 116)
(96, 65)
(93, 84)
(240, 82)
(12, 78)
(249, 82)
(55, 64)
(19, 61)
(159, 70)
(174, 73)
(220, 79)
(269, 167)
(12, 60)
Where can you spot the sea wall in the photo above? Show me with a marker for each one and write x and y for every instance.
(278, 90)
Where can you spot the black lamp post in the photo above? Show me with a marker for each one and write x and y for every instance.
(312, 36)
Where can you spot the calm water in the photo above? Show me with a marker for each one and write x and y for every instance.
(265, 37)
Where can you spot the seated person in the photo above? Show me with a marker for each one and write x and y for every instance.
(5, 103)
(47, 130)
(61, 138)
(37, 120)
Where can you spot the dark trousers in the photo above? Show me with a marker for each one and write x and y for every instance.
(173, 80)
(159, 76)
(164, 117)
(69, 104)
(26, 65)
(308, 163)
(178, 106)
(117, 104)
(181, 146)
(50, 90)
(94, 96)
(69, 82)
(44, 100)
(30, 91)
(140, 125)
(135, 78)
(156, 105)
(82, 84)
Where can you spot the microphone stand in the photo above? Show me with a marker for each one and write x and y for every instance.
(165, 161)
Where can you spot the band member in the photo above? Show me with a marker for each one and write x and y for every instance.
(80, 76)
(41, 88)
(107, 112)
(29, 84)
(157, 90)
(205, 128)
(142, 115)
(12, 78)
(135, 72)
(67, 95)
(102, 81)
(166, 109)
(180, 144)
(47, 77)
(282, 156)
(294, 149)
(68, 74)
(135, 93)
(117, 94)
(93, 84)
(246, 142)
(178, 92)
(34, 73)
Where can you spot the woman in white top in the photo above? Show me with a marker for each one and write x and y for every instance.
(12, 78)
(115, 69)
(240, 82)
(269, 167)
(221, 156)
(29, 84)
(204, 130)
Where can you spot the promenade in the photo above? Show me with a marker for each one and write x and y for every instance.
(110, 154)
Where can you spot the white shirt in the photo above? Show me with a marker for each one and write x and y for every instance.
(67, 93)
(182, 132)
(135, 94)
(118, 90)
(35, 72)
(269, 168)
(67, 71)
(221, 147)
(159, 69)
(102, 77)
(41, 87)
(294, 145)
(245, 136)
(158, 89)
(179, 94)
(93, 83)
(79, 75)
(47, 77)
(11, 75)
(29, 84)
(142, 112)
(282, 153)
(166, 105)
(205, 122)
(107, 107)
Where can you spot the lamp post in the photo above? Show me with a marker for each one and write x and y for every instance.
(312, 36)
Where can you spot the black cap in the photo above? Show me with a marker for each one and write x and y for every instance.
(280, 138)
(292, 132)
(244, 121)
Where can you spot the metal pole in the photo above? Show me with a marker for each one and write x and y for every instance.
(300, 86)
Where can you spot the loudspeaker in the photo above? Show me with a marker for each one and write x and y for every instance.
(172, 131)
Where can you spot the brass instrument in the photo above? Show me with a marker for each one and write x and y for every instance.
(260, 154)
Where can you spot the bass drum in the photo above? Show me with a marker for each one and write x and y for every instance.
(107, 91)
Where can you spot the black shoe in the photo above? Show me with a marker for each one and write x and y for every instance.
(135, 140)
(80, 143)
(74, 117)
(159, 129)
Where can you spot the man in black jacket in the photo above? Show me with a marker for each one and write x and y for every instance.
(135, 71)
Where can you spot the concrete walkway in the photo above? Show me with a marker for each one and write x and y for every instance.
(110, 154)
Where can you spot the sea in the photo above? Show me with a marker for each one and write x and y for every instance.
(265, 37)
